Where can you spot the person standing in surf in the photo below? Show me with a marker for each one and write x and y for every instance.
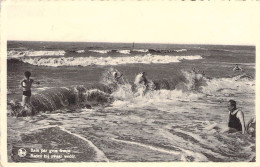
(26, 85)
(140, 83)
(141, 79)
(236, 117)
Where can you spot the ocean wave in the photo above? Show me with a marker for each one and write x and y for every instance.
(57, 98)
(88, 61)
(141, 50)
(100, 51)
(201, 48)
(124, 51)
(80, 51)
(18, 54)
(181, 50)
(190, 86)
(227, 86)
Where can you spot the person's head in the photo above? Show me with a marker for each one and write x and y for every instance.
(143, 73)
(115, 74)
(27, 74)
(232, 105)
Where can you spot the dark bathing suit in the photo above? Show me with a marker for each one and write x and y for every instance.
(27, 93)
(234, 122)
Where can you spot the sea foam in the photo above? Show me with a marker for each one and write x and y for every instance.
(141, 50)
(100, 51)
(124, 51)
(80, 51)
(88, 61)
(18, 54)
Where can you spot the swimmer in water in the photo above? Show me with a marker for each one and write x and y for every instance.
(237, 68)
(26, 85)
(194, 70)
(140, 83)
(236, 117)
(116, 76)
(141, 79)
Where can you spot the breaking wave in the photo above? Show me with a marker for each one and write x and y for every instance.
(18, 54)
(141, 50)
(88, 61)
(57, 98)
(187, 86)
(80, 51)
(124, 51)
(100, 51)
(181, 50)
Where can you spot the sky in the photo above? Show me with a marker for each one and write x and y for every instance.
(134, 21)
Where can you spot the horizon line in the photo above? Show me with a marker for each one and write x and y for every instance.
(163, 43)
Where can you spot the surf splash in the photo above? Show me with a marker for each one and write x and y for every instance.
(63, 98)
(189, 86)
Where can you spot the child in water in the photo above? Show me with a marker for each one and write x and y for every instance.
(26, 85)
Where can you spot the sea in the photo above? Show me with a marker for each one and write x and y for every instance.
(79, 108)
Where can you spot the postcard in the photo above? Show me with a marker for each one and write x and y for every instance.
(126, 83)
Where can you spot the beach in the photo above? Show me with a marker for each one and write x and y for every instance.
(75, 104)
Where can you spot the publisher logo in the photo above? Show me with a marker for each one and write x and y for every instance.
(22, 152)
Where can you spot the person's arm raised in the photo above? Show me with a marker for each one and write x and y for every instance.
(36, 82)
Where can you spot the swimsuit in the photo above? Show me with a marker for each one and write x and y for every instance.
(234, 122)
(27, 87)
(27, 93)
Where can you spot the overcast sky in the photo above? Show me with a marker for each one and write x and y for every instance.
(121, 21)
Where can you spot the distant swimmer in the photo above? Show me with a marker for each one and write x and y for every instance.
(26, 85)
(236, 117)
(117, 76)
(194, 70)
(237, 68)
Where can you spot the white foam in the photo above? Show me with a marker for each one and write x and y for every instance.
(100, 155)
(18, 54)
(124, 51)
(141, 50)
(183, 153)
(88, 61)
(222, 86)
(163, 100)
(100, 51)
(149, 147)
(80, 51)
(180, 50)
